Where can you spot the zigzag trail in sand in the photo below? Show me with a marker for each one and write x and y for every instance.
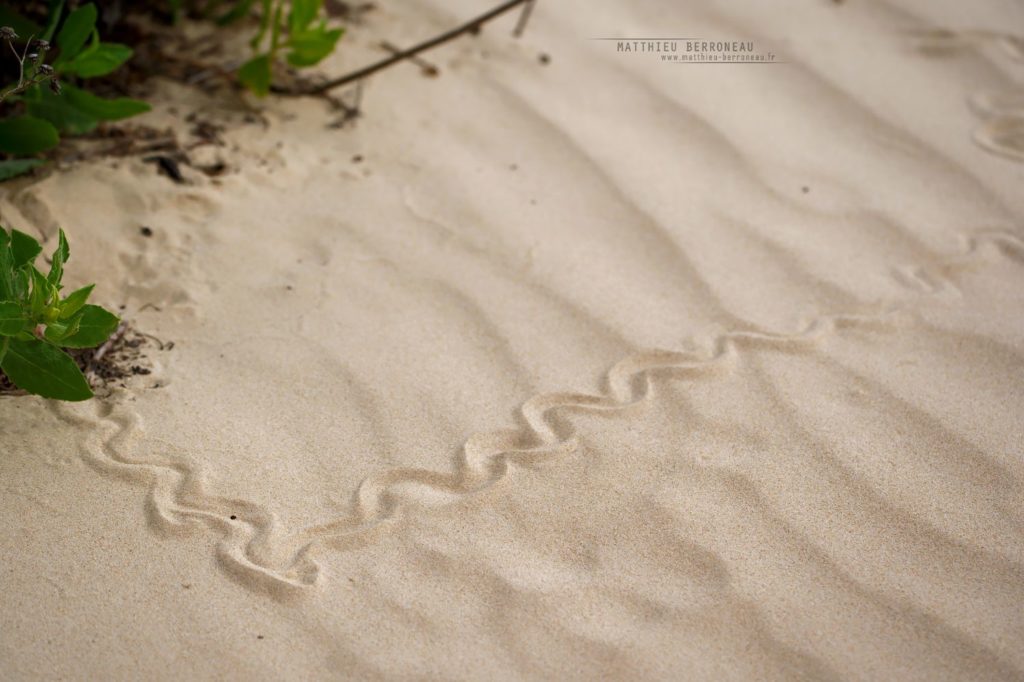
(178, 501)
(1002, 131)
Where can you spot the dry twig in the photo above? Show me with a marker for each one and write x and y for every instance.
(471, 26)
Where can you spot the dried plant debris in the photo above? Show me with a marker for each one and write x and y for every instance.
(205, 131)
(113, 364)
(158, 146)
(168, 165)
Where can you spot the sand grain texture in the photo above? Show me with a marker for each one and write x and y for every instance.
(599, 369)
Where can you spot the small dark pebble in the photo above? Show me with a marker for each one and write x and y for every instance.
(233, 517)
(358, 158)
(146, 231)
(259, 636)
(544, 58)
(805, 189)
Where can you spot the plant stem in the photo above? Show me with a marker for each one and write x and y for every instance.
(523, 18)
(21, 85)
(21, 64)
(468, 27)
(55, 12)
(21, 60)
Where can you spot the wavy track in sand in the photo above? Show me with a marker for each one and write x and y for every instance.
(1002, 131)
(252, 535)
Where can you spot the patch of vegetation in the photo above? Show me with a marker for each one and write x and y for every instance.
(37, 323)
(54, 103)
(50, 94)
(297, 30)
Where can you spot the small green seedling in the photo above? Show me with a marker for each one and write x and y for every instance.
(36, 322)
(298, 28)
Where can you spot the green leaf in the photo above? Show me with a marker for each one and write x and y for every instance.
(275, 29)
(76, 30)
(45, 370)
(240, 10)
(21, 279)
(12, 319)
(55, 331)
(60, 257)
(74, 301)
(98, 61)
(24, 248)
(27, 135)
(95, 327)
(23, 26)
(175, 10)
(73, 324)
(62, 245)
(41, 293)
(103, 109)
(12, 168)
(255, 75)
(310, 47)
(56, 9)
(59, 330)
(266, 10)
(59, 111)
(302, 14)
(76, 111)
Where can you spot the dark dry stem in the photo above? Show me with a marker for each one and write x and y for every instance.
(469, 27)
(37, 77)
(425, 66)
(102, 350)
(21, 63)
(523, 18)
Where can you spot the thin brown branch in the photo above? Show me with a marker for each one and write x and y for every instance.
(106, 346)
(471, 26)
(523, 18)
(426, 67)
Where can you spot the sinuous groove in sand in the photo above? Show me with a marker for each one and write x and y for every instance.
(1002, 129)
(178, 498)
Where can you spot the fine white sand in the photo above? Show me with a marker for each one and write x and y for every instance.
(601, 368)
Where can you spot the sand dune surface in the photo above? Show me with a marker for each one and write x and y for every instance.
(595, 367)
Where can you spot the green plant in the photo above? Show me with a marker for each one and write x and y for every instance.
(36, 323)
(54, 104)
(301, 34)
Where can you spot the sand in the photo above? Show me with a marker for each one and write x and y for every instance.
(603, 368)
